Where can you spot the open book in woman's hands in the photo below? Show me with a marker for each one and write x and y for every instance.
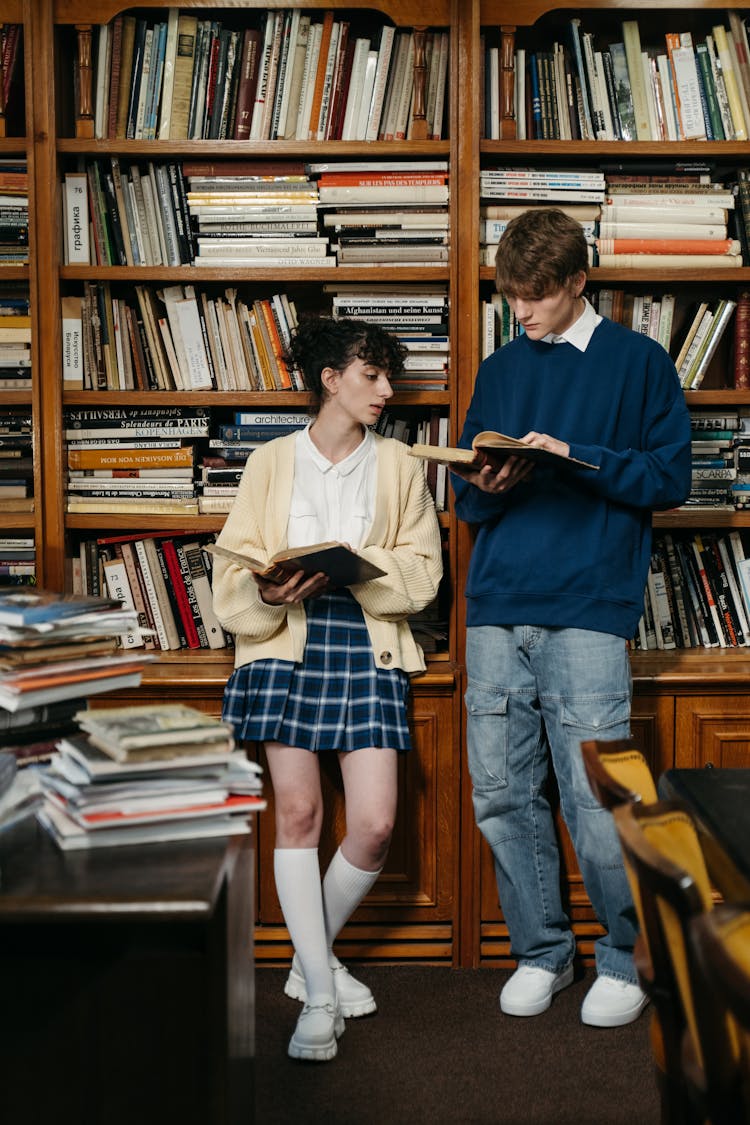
(342, 565)
(491, 448)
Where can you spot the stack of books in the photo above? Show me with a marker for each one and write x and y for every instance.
(55, 650)
(248, 213)
(148, 774)
(494, 218)
(418, 317)
(385, 212)
(661, 221)
(507, 192)
(16, 463)
(133, 462)
(15, 343)
(14, 212)
(715, 439)
(17, 560)
(222, 469)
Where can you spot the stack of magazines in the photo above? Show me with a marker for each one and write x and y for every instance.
(148, 774)
(55, 651)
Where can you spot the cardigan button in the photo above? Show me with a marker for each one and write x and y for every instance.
(386, 657)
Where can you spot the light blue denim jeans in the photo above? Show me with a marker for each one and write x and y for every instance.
(535, 693)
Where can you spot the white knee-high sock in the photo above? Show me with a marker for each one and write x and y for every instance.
(344, 887)
(298, 886)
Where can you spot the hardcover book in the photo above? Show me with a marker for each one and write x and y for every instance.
(491, 448)
(343, 566)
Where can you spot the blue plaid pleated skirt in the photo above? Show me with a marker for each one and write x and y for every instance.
(336, 699)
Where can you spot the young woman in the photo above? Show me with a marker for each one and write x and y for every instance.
(318, 668)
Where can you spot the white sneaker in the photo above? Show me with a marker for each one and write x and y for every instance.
(530, 990)
(354, 998)
(318, 1028)
(612, 1003)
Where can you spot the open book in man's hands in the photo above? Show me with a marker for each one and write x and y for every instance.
(343, 566)
(491, 448)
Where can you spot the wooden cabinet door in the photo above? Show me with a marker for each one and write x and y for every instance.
(410, 910)
(713, 729)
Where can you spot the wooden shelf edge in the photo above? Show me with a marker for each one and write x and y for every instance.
(698, 669)
(199, 669)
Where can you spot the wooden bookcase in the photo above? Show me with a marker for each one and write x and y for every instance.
(689, 707)
(16, 141)
(437, 899)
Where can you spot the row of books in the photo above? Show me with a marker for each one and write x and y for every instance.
(283, 74)
(184, 338)
(433, 430)
(255, 212)
(164, 580)
(697, 594)
(652, 315)
(147, 774)
(176, 338)
(589, 86)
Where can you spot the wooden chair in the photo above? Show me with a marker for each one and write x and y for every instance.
(617, 771)
(619, 774)
(663, 852)
(721, 944)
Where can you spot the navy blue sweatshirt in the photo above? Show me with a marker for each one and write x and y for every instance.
(570, 547)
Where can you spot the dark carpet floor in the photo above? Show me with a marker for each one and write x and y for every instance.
(439, 1050)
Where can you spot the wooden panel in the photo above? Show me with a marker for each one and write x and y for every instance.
(418, 880)
(713, 729)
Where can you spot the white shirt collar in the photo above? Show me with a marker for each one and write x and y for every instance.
(580, 332)
(343, 468)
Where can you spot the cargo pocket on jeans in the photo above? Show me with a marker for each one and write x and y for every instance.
(487, 736)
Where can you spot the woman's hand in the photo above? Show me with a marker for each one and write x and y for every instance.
(296, 588)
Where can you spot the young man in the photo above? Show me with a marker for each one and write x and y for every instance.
(554, 592)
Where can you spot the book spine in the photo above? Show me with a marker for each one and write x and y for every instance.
(731, 82)
(741, 357)
(215, 637)
(198, 628)
(632, 41)
(176, 593)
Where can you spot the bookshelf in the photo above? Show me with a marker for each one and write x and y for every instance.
(687, 704)
(412, 912)
(438, 900)
(22, 519)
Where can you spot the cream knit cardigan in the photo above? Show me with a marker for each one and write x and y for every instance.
(403, 540)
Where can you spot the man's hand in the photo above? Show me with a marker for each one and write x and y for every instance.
(489, 479)
(513, 470)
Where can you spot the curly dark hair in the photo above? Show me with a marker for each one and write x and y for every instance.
(324, 341)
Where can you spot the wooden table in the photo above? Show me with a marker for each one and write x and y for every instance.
(126, 982)
(719, 799)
